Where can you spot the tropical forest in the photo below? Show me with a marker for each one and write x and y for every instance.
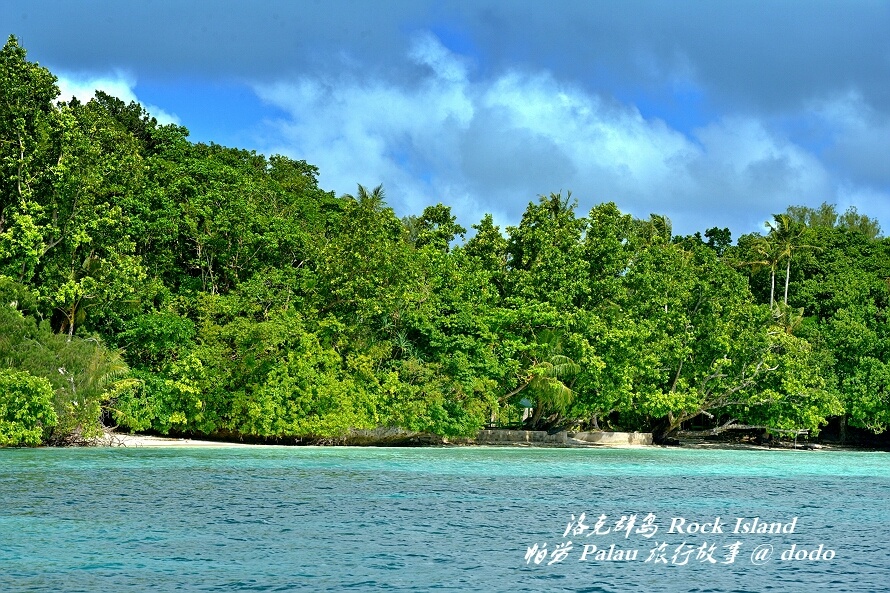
(152, 284)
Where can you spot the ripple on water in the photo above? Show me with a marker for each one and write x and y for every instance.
(333, 519)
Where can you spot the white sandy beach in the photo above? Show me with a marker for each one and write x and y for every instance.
(135, 440)
(114, 439)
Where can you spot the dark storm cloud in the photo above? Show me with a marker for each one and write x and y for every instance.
(752, 55)
(245, 40)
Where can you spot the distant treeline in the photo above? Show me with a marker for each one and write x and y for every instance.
(156, 284)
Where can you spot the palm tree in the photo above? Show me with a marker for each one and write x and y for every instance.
(661, 227)
(373, 200)
(786, 234)
(771, 254)
(658, 229)
(546, 376)
(764, 254)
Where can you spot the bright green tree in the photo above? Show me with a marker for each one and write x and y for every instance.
(26, 408)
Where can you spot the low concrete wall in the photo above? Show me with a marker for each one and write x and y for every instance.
(568, 439)
(600, 437)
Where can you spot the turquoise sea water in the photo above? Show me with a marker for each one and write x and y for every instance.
(451, 519)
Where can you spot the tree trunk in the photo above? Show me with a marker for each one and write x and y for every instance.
(536, 416)
(787, 278)
(662, 434)
(71, 322)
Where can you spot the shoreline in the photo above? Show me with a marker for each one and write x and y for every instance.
(114, 440)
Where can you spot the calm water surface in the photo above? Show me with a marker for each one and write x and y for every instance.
(451, 519)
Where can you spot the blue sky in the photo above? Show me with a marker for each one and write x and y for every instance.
(713, 113)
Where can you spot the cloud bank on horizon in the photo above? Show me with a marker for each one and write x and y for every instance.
(715, 114)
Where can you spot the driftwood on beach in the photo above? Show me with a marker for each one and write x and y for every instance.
(733, 425)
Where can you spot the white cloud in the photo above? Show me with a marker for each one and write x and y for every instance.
(118, 84)
(860, 136)
(492, 145)
(744, 173)
(427, 50)
(371, 132)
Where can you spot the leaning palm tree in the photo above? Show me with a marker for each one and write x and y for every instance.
(546, 376)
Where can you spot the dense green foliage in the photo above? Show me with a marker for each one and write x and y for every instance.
(158, 284)
(25, 408)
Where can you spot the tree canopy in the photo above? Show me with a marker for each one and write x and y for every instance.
(156, 284)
